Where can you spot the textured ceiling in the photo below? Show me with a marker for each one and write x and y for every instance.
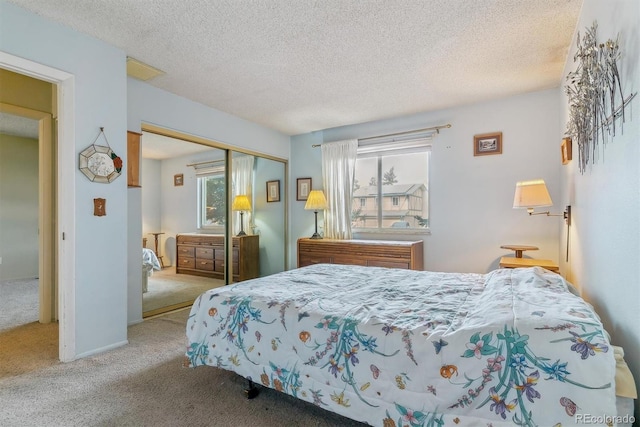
(299, 65)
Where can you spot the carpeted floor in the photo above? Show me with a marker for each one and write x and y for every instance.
(140, 384)
(166, 289)
(18, 302)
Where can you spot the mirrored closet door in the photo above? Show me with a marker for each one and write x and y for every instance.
(189, 190)
(184, 220)
(258, 216)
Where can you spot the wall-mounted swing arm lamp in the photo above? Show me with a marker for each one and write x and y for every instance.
(315, 202)
(241, 203)
(534, 194)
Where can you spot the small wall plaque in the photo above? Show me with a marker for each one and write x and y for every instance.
(99, 207)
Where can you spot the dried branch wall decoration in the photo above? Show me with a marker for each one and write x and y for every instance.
(592, 95)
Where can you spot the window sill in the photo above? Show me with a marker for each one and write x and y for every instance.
(394, 231)
(211, 230)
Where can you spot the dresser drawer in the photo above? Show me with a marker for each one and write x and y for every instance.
(310, 259)
(205, 253)
(186, 262)
(204, 264)
(219, 267)
(388, 264)
(186, 251)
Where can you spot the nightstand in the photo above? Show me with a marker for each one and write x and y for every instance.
(511, 262)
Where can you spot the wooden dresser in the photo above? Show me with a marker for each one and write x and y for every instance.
(373, 253)
(203, 255)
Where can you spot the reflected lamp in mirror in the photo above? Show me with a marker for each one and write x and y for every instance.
(534, 194)
(315, 202)
(240, 204)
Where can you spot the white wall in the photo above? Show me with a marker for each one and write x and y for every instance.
(100, 278)
(18, 207)
(605, 236)
(471, 197)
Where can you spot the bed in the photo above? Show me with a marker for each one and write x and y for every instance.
(393, 347)
(150, 263)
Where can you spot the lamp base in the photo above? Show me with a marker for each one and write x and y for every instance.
(241, 233)
(316, 236)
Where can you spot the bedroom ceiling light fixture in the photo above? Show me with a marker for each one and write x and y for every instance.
(315, 202)
(240, 204)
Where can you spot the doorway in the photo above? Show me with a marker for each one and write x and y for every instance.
(33, 227)
(62, 254)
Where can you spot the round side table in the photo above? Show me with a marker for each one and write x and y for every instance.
(519, 249)
(155, 235)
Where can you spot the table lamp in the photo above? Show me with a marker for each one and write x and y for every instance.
(315, 202)
(241, 203)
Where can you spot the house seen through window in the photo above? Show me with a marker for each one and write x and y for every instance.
(212, 208)
(397, 174)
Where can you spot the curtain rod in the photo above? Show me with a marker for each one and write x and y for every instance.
(436, 128)
(205, 163)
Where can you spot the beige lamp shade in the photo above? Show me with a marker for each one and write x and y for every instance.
(531, 194)
(316, 201)
(241, 203)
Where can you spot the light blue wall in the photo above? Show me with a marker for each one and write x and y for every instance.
(306, 162)
(471, 197)
(269, 216)
(100, 101)
(604, 259)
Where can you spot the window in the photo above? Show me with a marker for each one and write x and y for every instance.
(212, 200)
(395, 177)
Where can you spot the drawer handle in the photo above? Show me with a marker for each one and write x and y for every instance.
(185, 261)
(203, 263)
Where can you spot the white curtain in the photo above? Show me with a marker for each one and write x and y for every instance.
(338, 173)
(242, 183)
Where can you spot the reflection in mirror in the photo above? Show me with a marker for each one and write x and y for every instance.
(263, 250)
(183, 221)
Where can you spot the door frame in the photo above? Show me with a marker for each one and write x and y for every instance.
(64, 240)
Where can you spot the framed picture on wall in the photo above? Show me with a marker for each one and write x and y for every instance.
(273, 191)
(178, 179)
(565, 150)
(303, 188)
(487, 143)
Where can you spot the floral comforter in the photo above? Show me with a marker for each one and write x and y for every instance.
(396, 347)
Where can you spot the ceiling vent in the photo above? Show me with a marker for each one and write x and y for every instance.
(141, 71)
